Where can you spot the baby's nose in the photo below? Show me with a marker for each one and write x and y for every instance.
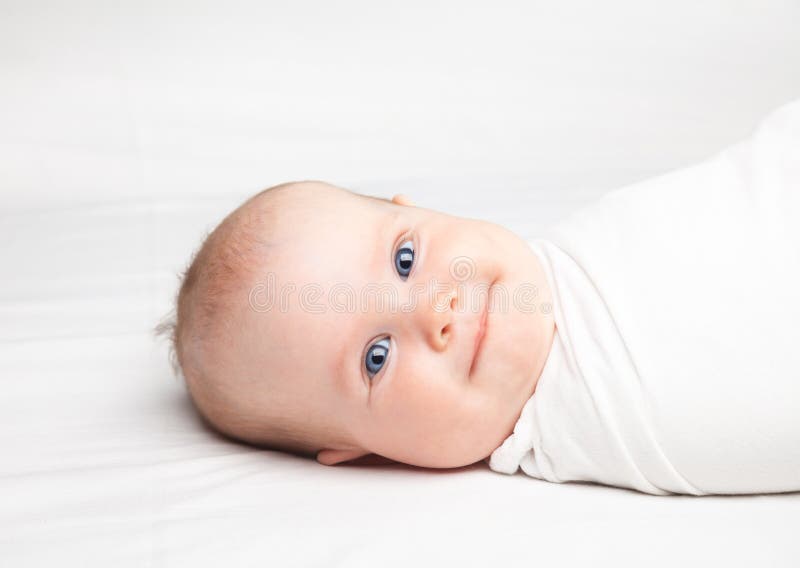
(437, 319)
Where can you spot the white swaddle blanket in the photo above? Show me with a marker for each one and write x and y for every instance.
(676, 363)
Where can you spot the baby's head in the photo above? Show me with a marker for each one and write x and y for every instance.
(331, 324)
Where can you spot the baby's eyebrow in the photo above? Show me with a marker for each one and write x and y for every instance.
(341, 366)
(384, 225)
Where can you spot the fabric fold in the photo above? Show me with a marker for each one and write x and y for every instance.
(675, 366)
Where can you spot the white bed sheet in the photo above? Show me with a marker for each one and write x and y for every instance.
(104, 462)
(125, 132)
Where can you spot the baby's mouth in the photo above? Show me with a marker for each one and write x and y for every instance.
(481, 332)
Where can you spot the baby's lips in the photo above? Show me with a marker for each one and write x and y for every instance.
(479, 337)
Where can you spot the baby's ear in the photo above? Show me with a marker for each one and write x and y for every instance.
(332, 457)
(401, 199)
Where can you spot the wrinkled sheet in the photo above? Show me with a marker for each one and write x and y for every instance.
(676, 367)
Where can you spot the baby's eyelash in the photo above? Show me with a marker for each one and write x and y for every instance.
(405, 253)
(378, 352)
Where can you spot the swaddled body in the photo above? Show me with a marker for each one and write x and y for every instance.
(676, 364)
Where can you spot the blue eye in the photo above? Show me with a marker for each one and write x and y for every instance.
(404, 259)
(377, 354)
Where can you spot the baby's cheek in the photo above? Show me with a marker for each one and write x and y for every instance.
(430, 404)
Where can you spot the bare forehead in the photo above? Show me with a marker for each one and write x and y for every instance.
(296, 209)
(332, 239)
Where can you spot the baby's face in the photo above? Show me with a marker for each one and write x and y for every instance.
(436, 376)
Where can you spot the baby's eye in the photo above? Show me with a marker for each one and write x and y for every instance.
(404, 258)
(377, 354)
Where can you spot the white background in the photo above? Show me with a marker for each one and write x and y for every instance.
(153, 98)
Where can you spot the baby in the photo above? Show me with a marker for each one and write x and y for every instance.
(336, 325)
(647, 341)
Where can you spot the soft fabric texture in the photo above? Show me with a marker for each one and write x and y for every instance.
(676, 364)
